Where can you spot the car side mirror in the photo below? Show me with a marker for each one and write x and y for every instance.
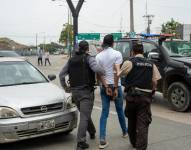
(51, 77)
(154, 56)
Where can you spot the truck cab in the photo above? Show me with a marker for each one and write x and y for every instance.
(173, 60)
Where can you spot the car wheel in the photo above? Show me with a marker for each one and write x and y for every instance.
(179, 96)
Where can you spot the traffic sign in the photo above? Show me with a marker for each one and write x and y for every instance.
(132, 34)
(117, 36)
(89, 36)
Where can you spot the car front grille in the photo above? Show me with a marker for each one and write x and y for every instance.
(32, 132)
(42, 109)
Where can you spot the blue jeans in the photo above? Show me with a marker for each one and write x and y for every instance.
(105, 111)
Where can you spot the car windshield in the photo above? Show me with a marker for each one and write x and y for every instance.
(17, 73)
(178, 48)
(9, 54)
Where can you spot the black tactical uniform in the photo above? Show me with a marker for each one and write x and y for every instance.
(139, 89)
(138, 101)
(81, 69)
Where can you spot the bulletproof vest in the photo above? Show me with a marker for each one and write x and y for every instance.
(141, 74)
(80, 74)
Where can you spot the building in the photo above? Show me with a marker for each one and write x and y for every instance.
(185, 31)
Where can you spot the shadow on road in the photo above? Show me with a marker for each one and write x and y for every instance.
(40, 142)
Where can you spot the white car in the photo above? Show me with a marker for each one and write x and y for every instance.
(30, 105)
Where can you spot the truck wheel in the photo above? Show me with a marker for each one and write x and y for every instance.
(179, 96)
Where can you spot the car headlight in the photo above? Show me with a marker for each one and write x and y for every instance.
(6, 113)
(68, 103)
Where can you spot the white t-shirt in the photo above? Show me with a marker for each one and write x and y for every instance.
(107, 59)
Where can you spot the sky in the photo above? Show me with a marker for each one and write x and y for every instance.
(22, 20)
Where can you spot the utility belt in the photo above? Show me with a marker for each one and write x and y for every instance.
(135, 91)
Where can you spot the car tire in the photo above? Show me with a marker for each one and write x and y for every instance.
(179, 96)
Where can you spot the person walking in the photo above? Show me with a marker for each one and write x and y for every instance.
(47, 58)
(40, 55)
(110, 90)
(81, 69)
(141, 82)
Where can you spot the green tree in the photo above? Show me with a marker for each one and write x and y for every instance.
(170, 27)
(52, 47)
(66, 31)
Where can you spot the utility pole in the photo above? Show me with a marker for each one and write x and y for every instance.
(149, 19)
(131, 17)
(36, 41)
(149, 22)
(68, 33)
(75, 14)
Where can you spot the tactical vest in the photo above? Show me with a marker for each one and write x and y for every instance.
(80, 74)
(141, 74)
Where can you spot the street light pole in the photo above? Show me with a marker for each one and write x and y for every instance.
(131, 16)
(75, 14)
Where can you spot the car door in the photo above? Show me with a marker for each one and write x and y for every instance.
(152, 47)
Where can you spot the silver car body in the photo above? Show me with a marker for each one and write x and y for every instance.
(41, 108)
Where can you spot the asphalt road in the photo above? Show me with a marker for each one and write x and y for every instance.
(169, 130)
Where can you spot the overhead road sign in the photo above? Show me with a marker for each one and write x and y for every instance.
(89, 36)
(117, 36)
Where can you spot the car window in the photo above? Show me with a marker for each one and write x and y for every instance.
(149, 47)
(14, 73)
(9, 54)
(124, 48)
(178, 48)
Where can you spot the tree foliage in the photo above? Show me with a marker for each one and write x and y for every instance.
(51, 47)
(170, 27)
(66, 31)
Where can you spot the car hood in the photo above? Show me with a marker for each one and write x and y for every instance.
(185, 60)
(21, 96)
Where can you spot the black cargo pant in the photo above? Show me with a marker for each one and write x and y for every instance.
(138, 112)
(84, 100)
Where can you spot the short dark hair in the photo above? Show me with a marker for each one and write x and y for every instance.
(137, 47)
(83, 47)
(108, 41)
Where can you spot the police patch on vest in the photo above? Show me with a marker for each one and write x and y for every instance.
(141, 64)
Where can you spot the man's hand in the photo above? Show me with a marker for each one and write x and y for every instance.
(67, 89)
(109, 91)
(115, 93)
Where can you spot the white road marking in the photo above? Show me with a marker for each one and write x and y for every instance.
(99, 108)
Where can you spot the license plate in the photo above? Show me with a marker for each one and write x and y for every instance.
(45, 125)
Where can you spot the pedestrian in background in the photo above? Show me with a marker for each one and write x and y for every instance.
(81, 69)
(40, 55)
(47, 57)
(141, 82)
(110, 90)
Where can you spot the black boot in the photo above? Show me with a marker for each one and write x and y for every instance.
(82, 145)
(92, 136)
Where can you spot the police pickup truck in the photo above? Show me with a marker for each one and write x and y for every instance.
(173, 59)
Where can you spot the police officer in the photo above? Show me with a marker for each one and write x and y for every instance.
(141, 82)
(81, 69)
